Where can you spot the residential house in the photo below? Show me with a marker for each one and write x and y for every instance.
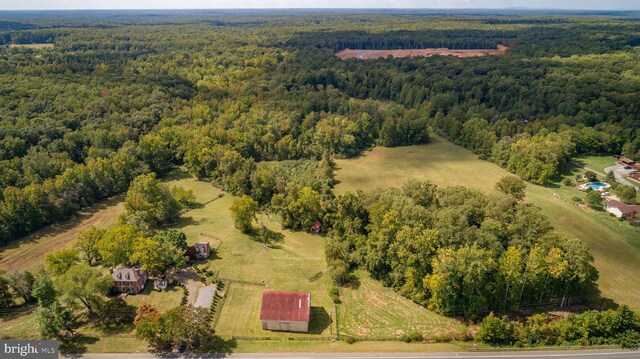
(129, 279)
(621, 210)
(199, 250)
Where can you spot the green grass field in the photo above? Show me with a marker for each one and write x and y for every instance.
(20, 326)
(598, 163)
(164, 300)
(289, 346)
(374, 311)
(614, 244)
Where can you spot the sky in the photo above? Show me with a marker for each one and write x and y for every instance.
(253, 4)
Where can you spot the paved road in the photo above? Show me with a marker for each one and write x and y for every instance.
(578, 354)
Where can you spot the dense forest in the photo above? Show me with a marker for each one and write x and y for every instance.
(260, 106)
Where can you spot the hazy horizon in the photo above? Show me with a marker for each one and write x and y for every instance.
(611, 5)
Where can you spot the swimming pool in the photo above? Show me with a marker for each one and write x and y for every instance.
(596, 185)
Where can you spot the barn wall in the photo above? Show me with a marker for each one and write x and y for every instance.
(286, 326)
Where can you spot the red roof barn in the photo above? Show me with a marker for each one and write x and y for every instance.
(286, 311)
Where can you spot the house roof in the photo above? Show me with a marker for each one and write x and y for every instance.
(626, 160)
(294, 306)
(624, 208)
(127, 274)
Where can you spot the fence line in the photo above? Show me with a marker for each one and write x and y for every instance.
(261, 284)
(241, 337)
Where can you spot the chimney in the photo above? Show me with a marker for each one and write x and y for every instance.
(111, 270)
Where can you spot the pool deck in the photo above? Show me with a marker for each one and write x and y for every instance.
(585, 186)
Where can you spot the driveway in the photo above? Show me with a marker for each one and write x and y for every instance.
(619, 172)
(191, 281)
(205, 296)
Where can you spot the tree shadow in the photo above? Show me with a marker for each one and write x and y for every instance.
(226, 346)
(19, 312)
(264, 235)
(185, 222)
(568, 170)
(353, 282)
(320, 320)
(599, 301)
(176, 174)
(78, 347)
(218, 348)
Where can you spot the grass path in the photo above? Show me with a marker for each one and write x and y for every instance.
(614, 244)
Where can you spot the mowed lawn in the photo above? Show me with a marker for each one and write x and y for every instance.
(598, 163)
(614, 244)
(164, 300)
(374, 311)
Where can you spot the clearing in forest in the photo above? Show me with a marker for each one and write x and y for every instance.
(32, 46)
(614, 244)
(376, 54)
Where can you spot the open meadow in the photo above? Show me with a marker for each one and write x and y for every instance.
(614, 244)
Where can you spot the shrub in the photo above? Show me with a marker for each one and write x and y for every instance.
(590, 176)
(411, 337)
(443, 338)
(185, 296)
(494, 330)
(567, 181)
(350, 340)
(594, 200)
(577, 199)
(334, 293)
(629, 340)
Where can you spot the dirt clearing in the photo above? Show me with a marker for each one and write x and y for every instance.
(376, 54)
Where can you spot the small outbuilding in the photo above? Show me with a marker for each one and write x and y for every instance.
(199, 250)
(160, 284)
(317, 227)
(625, 161)
(286, 311)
